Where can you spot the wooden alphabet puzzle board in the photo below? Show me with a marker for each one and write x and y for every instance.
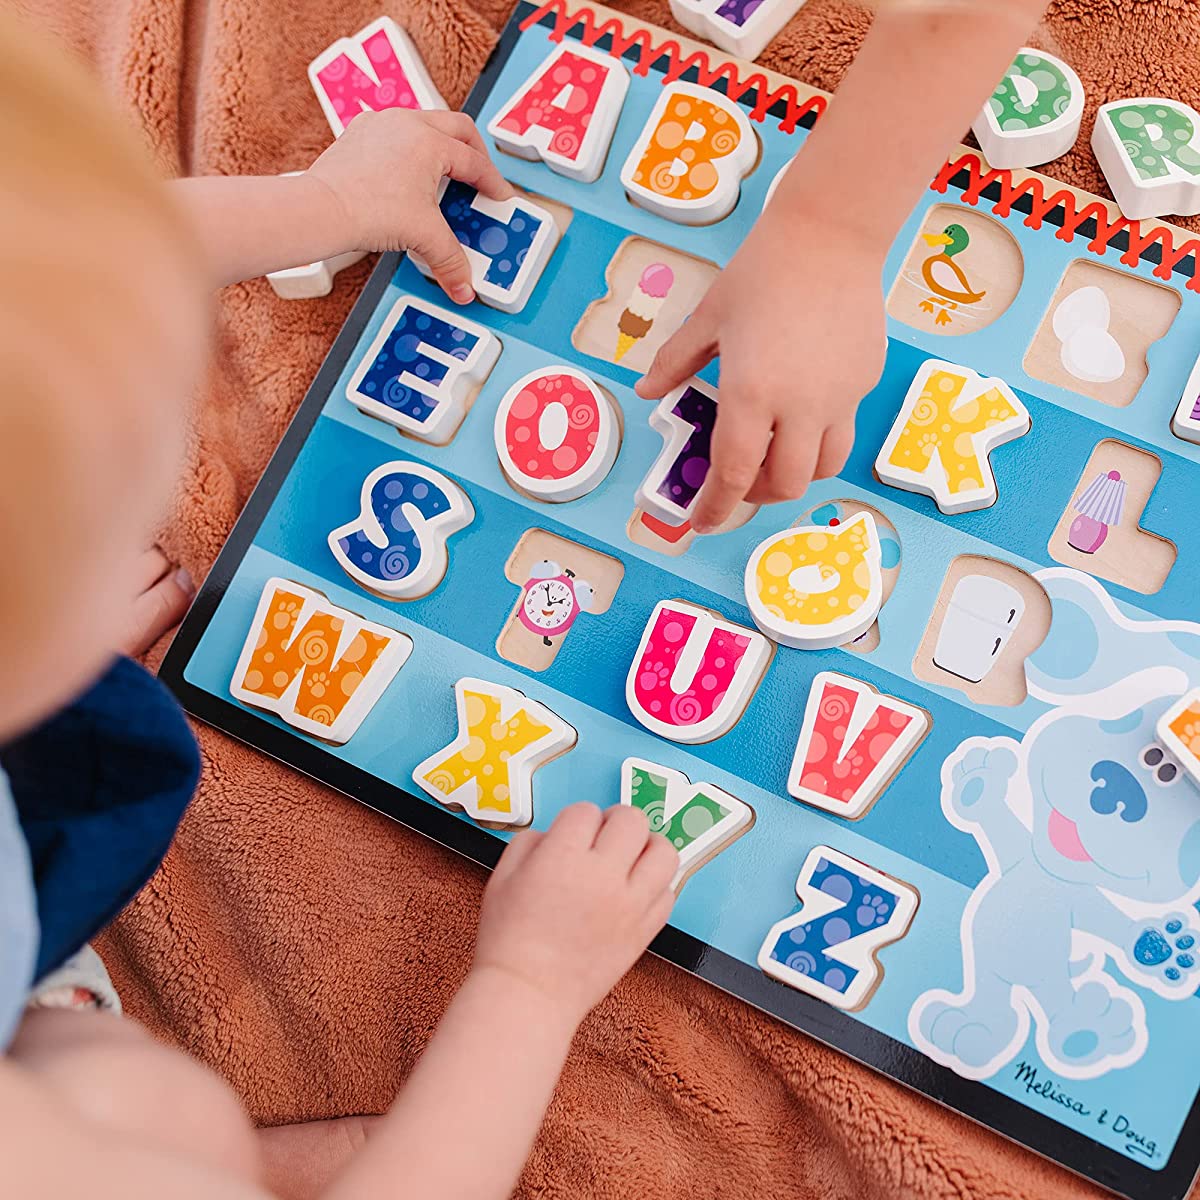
(964, 846)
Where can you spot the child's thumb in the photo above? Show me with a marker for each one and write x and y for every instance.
(446, 260)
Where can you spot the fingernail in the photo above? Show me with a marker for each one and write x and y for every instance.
(463, 294)
(702, 527)
(184, 580)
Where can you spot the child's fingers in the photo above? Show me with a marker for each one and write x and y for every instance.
(680, 356)
(576, 826)
(458, 126)
(655, 867)
(835, 449)
(788, 468)
(516, 853)
(658, 913)
(623, 835)
(150, 567)
(474, 168)
(444, 256)
(156, 610)
(741, 436)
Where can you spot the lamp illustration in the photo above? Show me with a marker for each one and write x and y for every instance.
(1099, 507)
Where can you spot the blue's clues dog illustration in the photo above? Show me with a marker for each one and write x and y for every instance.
(1091, 834)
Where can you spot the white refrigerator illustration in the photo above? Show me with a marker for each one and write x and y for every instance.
(980, 618)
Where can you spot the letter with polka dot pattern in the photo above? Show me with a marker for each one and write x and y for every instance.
(690, 158)
(741, 27)
(848, 912)
(376, 68)
(950, 422)
(423, 369)
(853, 741)
(557, 434)
(507, 243)
(318, 667)
(685, 418)
(1149, 151)
(396, 546)
(698, 819)
(694, 673)
(566, 112)
(503, 738)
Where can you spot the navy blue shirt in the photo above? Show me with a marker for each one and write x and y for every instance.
(99, 790)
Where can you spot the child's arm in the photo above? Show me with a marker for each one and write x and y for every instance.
(375, 188)
(565, 915)
(797, 316)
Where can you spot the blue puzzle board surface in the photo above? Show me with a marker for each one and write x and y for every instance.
(1122, 1127)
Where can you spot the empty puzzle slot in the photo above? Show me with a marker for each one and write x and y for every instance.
(989, 617)
(651, 289)
(558, 580)
(961, 273)
(1097, 331)
(1099, 532)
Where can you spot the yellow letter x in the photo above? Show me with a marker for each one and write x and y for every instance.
(503, 737)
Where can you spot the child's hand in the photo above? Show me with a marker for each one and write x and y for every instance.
(384, 173)
(797, 318)
(160, 595)
(570, 910)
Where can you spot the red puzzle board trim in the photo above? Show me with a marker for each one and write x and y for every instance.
(1043, 198)
(678, 65)
(1044, 201)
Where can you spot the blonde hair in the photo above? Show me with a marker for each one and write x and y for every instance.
(98, 275)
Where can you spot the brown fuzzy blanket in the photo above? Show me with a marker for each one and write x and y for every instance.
(304, 946)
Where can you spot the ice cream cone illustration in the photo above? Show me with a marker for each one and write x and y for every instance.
(644, 305)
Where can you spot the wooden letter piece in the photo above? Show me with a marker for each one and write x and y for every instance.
(1186, 421)
(853, 742)
(699, 820)
(848, 912)
(503, 737)
(1179, 730)
(741, 27)
(396, 546)
(423, 369)
(1149, 151)
(507, 244)
(693, 673)
(1033, 115)
(557, 434)
(318, 667)
(377, 68)
(951, 420)
(721, 149)
(566, 112)
(815, 587)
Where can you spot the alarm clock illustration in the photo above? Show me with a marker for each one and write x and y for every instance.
(552, 599)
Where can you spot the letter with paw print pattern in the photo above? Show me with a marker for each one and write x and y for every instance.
(319, 667)
(848, 911)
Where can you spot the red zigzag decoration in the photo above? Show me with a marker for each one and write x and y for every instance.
(979, 178)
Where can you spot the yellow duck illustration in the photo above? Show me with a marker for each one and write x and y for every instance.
(944, 277)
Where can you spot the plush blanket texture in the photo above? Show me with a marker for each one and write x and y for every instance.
(304, 946)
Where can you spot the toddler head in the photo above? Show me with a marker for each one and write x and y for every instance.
(102, 319)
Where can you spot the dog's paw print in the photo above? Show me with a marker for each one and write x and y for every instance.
(1167, 949)
(980, 778)
(874, 910)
